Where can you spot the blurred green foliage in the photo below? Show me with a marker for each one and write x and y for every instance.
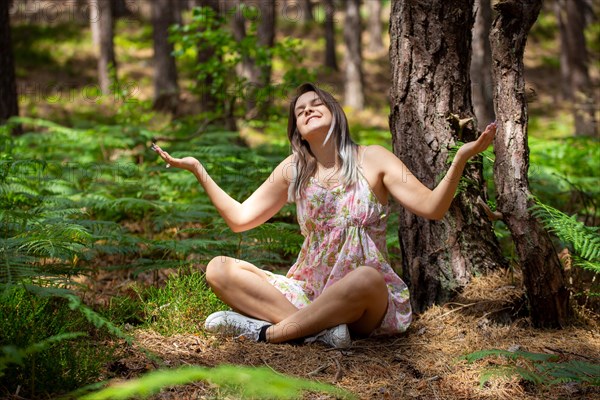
(41, 353)
(215, 74)
(240, 382)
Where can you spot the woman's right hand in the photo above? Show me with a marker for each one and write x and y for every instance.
(187, 163)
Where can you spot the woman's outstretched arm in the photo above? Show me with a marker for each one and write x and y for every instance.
(411, 193)
(265, 202)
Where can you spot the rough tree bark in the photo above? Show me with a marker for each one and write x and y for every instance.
(542, 271)
(330, 56)
(576, 83)
(481, 65)
(166, 90)
(9, 101)
(353, 85)
(375, 30)
(430, 55)
(101, 20)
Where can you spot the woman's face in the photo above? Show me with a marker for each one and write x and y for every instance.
(313, 118)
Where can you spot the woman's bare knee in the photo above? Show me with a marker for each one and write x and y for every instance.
(222, 271)
(217, 271)
(366, 281)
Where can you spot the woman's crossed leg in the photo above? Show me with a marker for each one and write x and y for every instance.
(359, 299)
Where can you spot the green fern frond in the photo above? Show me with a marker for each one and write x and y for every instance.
(96, 319)
(593, 266)
(247, 382)
(571, 371)
(540, 368)
(495, 372)
(584, 239)
(12, 355)
(478, 355)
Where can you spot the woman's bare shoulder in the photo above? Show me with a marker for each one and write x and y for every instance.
(286, 169)
(373, 156)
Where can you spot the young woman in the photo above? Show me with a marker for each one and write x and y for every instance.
(342, 282)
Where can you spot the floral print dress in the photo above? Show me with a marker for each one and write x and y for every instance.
(344, 228)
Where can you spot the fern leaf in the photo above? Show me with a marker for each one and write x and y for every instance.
(478, 355)
(13, 355)
(571, 371)
(584, 239)
(247, 382)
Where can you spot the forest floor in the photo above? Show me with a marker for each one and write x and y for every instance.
(423, 363)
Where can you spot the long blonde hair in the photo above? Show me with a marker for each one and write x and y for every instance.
(304, 159)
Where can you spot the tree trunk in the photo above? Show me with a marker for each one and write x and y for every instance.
(542, 271)
(9, 101)
(353, 87)
(375, 45)
(481, 65)
(208, 102)
(94, 15)
(576, 84)
(102, 21)
(430, 53)
(245, 68)
(179, 7)
(330, 56)
(262, 75)
(257, 77)
(166, 90)
(119, 9)
(306, 7)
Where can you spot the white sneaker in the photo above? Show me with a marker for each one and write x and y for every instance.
(337, 337)
(234, 324)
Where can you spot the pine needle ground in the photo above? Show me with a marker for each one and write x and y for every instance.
(423, 363)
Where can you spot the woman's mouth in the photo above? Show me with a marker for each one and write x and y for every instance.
(311, 117)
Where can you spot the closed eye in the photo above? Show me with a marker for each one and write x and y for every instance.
(315, 103)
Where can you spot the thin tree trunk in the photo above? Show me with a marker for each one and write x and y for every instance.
(353, 87)
(307, 12)
(94, 15)
(107, 65)
(9, 101)
(576, 84)
(208, 102)
(375, 27)
(430, 54)
(119, 9)
(179, 6)
(266, 38)
(166, 90)
(330, 56)
(481, 65)
(245, 69)
(542, 271)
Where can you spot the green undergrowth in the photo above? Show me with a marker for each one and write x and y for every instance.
(537, 368)
(47, 348)
(80, 201)
(564, 174)
(181, 305)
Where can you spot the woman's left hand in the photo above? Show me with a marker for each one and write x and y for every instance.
(483, 142)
